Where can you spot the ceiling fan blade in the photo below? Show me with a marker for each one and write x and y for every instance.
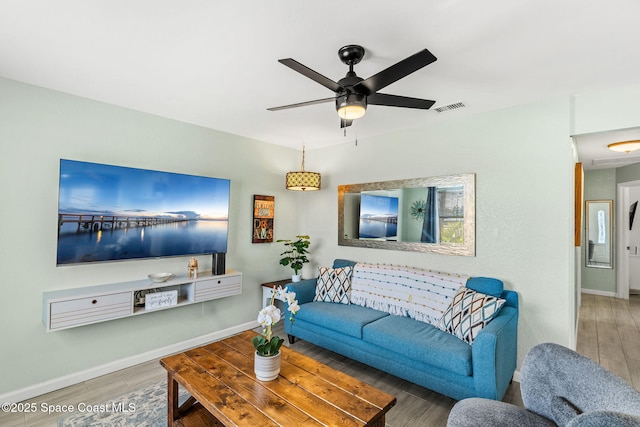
(302, 104)
(344, 123)
(399, 101)
(313, 75)
(395, 72)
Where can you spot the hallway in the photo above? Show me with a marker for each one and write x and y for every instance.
(609, 333)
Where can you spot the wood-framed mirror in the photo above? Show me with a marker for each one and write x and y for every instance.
(599, 233)
(435, 214)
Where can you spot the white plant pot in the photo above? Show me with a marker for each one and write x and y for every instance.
(266, 368)
(296, 277)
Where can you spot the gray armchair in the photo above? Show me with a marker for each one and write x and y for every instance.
(559, 388)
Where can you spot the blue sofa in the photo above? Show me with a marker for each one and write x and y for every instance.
(413, 350)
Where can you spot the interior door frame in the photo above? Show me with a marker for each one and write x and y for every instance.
(622, 222)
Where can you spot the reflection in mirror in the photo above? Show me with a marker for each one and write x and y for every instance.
(599, 251)
(434, 214)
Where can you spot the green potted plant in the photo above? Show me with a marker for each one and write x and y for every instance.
(295, 255)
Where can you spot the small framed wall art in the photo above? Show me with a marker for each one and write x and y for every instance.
(263, 215)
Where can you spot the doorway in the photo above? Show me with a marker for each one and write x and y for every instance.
(594, 154)
(628, 236)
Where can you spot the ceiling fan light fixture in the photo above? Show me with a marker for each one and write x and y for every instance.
(353, 93)
(625, 146)
(351, 106)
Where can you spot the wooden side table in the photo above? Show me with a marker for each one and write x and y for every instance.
(267, 290)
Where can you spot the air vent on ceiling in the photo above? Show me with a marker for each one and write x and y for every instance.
(616, 161)
(449, 107)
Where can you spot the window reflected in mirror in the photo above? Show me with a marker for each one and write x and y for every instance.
(599, 230)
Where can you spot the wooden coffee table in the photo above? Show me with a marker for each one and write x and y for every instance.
(225, 392)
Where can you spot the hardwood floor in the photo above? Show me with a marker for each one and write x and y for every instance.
(608, 332)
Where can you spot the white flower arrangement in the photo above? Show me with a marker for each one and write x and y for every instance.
(266, 344)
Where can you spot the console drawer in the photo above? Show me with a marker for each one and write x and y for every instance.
(80, 311)
(218, 287)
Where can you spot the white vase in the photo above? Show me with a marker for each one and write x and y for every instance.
(266, 368)
(296, 277)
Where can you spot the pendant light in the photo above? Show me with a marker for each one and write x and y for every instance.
(303, 180)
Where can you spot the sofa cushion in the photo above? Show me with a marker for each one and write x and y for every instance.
(334, 285)
(346, 319)
(338, 263)
(486, 285)
(469, 313)
(420, 341)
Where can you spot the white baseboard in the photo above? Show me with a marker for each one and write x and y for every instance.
(78, 377)
(600, 293)
(517, 376)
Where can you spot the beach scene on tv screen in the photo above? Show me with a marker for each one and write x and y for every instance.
(378, 217)
(112, 213)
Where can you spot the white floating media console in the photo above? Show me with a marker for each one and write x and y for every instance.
(69, 308)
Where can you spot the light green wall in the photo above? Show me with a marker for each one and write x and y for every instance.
(523, 161)
(37, 128)
(412, 228)
(628, 173)
(599, 185)
(522, 158)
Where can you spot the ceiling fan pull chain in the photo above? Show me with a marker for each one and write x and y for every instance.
(356, 133)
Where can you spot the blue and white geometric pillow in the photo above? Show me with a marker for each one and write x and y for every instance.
(469, 313)
(334, 285)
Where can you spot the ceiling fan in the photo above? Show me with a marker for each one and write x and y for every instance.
(354, 93)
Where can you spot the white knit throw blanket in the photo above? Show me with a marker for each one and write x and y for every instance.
(421, 294)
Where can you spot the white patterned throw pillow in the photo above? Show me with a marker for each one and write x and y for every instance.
(403, 291)
(334, 285)
(469, 313)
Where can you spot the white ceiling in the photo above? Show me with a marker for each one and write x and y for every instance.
(214, 63)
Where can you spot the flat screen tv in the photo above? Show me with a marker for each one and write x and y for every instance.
(114, 213)
(378, 217)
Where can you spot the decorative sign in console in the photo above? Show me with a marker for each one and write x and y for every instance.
(69, 308)
(160, 299)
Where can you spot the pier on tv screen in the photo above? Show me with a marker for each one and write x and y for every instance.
(115, 213)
